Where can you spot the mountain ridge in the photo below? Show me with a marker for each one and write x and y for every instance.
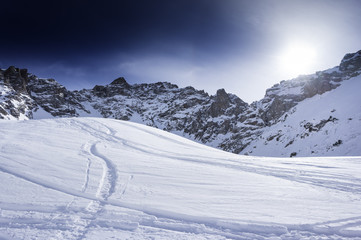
(222, 120)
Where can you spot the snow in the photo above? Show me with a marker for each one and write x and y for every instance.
(292, 90)
(290, 87)
(90, 108)
(332, 70)
(137, 118)
(343, 104)
(40, 113)
(92, 178)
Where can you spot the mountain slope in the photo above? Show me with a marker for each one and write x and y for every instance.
(328, 124)
(93, 178)
(223, 120)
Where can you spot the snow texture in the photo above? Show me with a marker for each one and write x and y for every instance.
(92, 178)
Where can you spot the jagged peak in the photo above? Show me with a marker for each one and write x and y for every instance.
(221, 92)
(349, 56)
(222, 96)
(119, 81)
(351, 62)
(12, 70)
(165, 85)
(16, 78)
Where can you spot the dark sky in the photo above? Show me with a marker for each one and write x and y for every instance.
(210, 44)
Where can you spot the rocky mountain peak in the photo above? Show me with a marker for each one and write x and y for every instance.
(120, 81)
(351, 62)
(222, 98)
(16, 78)
(221, 103)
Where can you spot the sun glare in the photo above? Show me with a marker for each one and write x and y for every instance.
(297, 59)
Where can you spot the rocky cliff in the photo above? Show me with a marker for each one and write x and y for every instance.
(222, 120)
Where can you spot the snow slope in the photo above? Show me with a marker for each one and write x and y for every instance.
(90, 178)
(324, 125)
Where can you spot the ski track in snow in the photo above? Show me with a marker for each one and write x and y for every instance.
(334, 181)
(109, 176)
(85, 186)
(78, 223)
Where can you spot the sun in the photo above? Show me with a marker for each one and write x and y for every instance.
(297, 59)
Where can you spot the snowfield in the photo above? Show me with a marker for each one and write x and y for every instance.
(92, 178)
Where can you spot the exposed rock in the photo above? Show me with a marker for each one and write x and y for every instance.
(16, 78)
(294, 154)
(120, 81)
(54, 98)
(337, 143)
(220, 104)
(101, 91)
(351, 62)
(276, 109)
(324, 82)
(222, 120)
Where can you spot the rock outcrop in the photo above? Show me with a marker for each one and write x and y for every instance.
(222, 120)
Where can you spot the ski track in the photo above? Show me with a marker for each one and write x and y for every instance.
(95, 215)
(87, 172)
(106, 188)
(109, 177)
(313, 177)
(330, 181)
(122, 192)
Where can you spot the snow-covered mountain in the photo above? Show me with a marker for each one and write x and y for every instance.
(96, 178)
(289, 121)
(327, 124)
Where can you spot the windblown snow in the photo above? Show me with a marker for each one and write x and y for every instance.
(92, 178)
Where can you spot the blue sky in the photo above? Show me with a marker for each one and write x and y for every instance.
(242, 46)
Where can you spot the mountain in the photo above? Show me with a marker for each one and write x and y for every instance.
(289, 121)
(96, 178)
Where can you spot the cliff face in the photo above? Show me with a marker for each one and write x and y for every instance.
(222, 120)
(15, 101)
